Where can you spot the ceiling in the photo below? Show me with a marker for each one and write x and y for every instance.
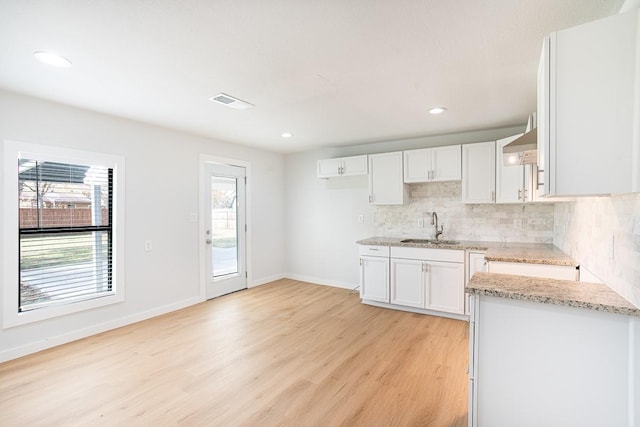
(332, 72)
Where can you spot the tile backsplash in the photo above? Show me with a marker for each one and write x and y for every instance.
(603, 234)
(530, 223)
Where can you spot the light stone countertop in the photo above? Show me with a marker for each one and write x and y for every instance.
(591, 296)
(532, 253)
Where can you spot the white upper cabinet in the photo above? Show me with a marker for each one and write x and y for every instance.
(344, 166)
(386, 184)
(514, 184)
(354, 165)
(588, 106)
(479, 172)
(433, 164)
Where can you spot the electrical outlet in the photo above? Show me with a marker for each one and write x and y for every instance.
(361, 218)
(147, 245)
(193, 217)
(421, 222)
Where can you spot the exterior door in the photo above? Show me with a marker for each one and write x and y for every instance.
(225, 229)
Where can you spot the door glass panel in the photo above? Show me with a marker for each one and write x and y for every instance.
(224, 234)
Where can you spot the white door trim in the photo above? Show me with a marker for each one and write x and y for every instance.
(204, 159)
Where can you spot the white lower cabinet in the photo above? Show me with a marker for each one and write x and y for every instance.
(408, 282)
(534, 364)
(421, 278)
(431, 279)
(445, 286)
(374, 273)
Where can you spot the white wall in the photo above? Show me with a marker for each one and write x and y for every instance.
(322, 215)
(603, 235)
(161, 193)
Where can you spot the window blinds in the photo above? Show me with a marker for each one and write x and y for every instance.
(65, 229)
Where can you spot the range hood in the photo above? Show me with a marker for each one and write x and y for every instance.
(523, 150)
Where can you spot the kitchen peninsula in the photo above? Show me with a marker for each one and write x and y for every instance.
(551, 352)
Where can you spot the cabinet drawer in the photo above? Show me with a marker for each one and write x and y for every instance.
(372, 250)
(428, 254)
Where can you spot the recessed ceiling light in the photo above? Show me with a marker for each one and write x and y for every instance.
(286, 135)
(437, 110)
(52, 59)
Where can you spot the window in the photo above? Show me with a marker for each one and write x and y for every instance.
(67, 220)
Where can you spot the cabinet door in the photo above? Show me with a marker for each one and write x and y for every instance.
(445, 287)
(374, 278)
(446, 163)
(417, 165)
(476, 264)
(543, 180)
(386, 184)
(354, 165)
(407, 282)
(328, 168)
(593, 107)
(479, 172)
(510, 180)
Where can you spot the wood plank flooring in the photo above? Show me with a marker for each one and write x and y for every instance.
(283, 354)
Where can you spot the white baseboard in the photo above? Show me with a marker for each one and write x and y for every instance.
(322, 281)
(14, 353)
(265, 280)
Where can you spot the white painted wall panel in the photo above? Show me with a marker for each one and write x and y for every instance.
(161, 193)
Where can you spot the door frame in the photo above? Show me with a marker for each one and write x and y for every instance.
(203, 161)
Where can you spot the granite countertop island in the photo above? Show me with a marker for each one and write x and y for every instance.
(532, 253)
(593, 296)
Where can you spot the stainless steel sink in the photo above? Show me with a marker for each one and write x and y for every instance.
(430, 241)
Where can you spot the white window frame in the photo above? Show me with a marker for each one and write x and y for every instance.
(13, 150)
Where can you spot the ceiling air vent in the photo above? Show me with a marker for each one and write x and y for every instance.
(230, 101)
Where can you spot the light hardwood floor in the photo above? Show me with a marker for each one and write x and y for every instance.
(285, 353)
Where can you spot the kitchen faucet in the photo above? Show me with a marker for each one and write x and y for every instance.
(434, 221)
